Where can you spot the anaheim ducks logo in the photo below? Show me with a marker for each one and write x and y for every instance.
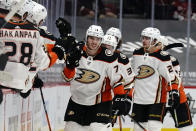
(145, 71)
(87, 76)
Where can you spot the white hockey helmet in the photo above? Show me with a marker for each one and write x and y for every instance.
(6, 4)
(96, 31)
(110, 40)
(24, 9)
(114, 32)
(151, 32)
(163, 40)
(37, 13)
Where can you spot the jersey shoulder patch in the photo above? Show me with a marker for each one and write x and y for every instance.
(106, 55)
(161, 55)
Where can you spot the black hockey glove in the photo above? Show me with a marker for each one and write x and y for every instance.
(38, 83)
(122, 104)
(73, 58)
(63, 26)
(174, 99)
(25, 95)
(64, 46)
(3, 59)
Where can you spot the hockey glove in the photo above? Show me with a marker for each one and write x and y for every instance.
(174, 99)
(38, 83)
(64, 46)
(122, 104)
(73, 58)
(63, 26)
(25, 95)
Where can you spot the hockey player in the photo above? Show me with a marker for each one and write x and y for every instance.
(150, 65)
(24, 46)
(90, 105)
(124, 68)
(117, 33)
(4, 10)
(182, 118)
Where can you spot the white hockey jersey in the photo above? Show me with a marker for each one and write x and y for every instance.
(88, 86)
(149, 69)
(23, 46)
(126, 70)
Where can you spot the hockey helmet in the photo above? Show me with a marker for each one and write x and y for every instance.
(24, 9)
(110, 40)
(6, 4)
(37, 13)
(151, 32)
(114, 32)
(96, 31)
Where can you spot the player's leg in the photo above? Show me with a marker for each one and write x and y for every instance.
(100, 127)
(101, 117)
(74, 117)
(155, 120)
(73, 126)
(140, 114)
(184, 118)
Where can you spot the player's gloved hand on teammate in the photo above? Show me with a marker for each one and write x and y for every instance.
(122, 104)
(174, 99)
(38, 83)
(63, 26)
(26, 94)
(64, 46)
(73, 57)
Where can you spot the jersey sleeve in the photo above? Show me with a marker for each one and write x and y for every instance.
(167, 71)
(115, 78)
(42, 60)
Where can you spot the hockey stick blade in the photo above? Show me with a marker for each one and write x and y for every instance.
(12, 12)
(173, 45)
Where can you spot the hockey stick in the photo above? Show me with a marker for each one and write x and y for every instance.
(137, 123)
(173, 45)
(12, 12)
(45, 109)
(120, 123)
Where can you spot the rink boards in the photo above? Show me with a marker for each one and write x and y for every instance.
(17, 114)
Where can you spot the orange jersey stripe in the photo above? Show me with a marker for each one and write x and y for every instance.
(53, 58)
(69, 73)
(49, 47)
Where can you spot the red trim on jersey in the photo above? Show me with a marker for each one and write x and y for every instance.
(106, 95)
